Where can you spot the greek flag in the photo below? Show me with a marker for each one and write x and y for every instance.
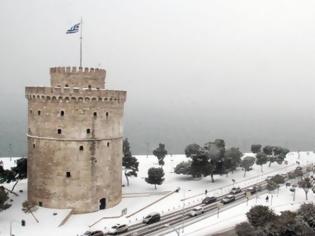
(73, 29)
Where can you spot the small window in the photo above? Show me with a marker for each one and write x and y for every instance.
(62, 113)
(40, 204)
(68, 174)
(67, 85)
(95, 114)
(33, 145)
(88, 131)
(107, 114)
(59, 131)
(81, 148)
(38, 112)
(107, 144)
(89, 86)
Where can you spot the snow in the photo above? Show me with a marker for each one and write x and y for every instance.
(140, 194)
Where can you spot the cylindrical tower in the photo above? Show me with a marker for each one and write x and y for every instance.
(75, 133)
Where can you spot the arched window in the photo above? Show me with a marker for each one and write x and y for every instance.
(62, 113)
(95, 114)
(81, 148)
(88, 131)
(59, 131)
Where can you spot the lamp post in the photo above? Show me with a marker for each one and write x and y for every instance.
(12, 221)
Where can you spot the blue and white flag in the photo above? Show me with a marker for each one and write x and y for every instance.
(73, 29)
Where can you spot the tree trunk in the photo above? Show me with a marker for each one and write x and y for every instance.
(127, 179)
(16, 182)
(306, 192)
(270, 163)
(244, 173)
(212, 180)
(261, 168)
(155, 186)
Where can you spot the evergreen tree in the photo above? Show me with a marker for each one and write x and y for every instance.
(306, 185)
(261, 159)
(129, 162)
(160, 152)
(247, 163)
(245, 229)
(259, 216)
(307, 213)
(3, 198)
(183, 167)
(255, 148)
(155, 176)
(232, 159)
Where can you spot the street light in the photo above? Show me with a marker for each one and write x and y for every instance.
(14, 221)
(173, 228)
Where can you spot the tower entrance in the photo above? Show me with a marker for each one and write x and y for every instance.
(102, 203)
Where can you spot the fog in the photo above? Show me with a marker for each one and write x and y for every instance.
(194, 70)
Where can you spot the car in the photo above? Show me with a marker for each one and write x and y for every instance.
(299, 168)
(209, 200)
(118, 228)
(196, 211)
(252, 189)
(152, 218)
(288, 184)
(93, 233)
(227, 199)
(236, 190)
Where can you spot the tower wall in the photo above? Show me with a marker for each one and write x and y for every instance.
(74, 147)
(77, 77)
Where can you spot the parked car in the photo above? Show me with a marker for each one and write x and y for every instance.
(252, 189)
(196, 211)
(152, 218)
(209, 200)
(118, 228)
(288, 184)
(93, 233)
(228, 199)
(236, 190)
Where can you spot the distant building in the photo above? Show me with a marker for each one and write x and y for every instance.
(75, 134)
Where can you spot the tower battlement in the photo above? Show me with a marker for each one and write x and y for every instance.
(74, 94)
(77, 77)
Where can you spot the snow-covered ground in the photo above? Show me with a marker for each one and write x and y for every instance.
(140, 194)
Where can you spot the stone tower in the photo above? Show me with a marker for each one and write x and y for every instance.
(75, 133)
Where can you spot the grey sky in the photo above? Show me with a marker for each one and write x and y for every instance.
(194, 70)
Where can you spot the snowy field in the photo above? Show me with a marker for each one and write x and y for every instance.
(140, 194)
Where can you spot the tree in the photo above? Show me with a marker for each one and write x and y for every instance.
(247, 163)
(306, 185)
(271, 186)
(3, 198)
(245, 229)
(259, 216)
(15, 174)
(267, 150)
(232, 159)
(261, 159)
(278, 179)
(255, 148)
(160, 152)
(155, 176)
(298, 172)
(183, 167)
(129, 162)
(307, 213)
(192, 150)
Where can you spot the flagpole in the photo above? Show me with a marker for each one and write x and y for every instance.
(81, 26)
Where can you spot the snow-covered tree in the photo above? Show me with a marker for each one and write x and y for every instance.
(129, 162)
(183, 167)
(255, 148)
(247, 163)
(306, 185)
(160, 152)
(155, 176)
(261, 159)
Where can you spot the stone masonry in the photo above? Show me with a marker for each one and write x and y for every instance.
(75, 134)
